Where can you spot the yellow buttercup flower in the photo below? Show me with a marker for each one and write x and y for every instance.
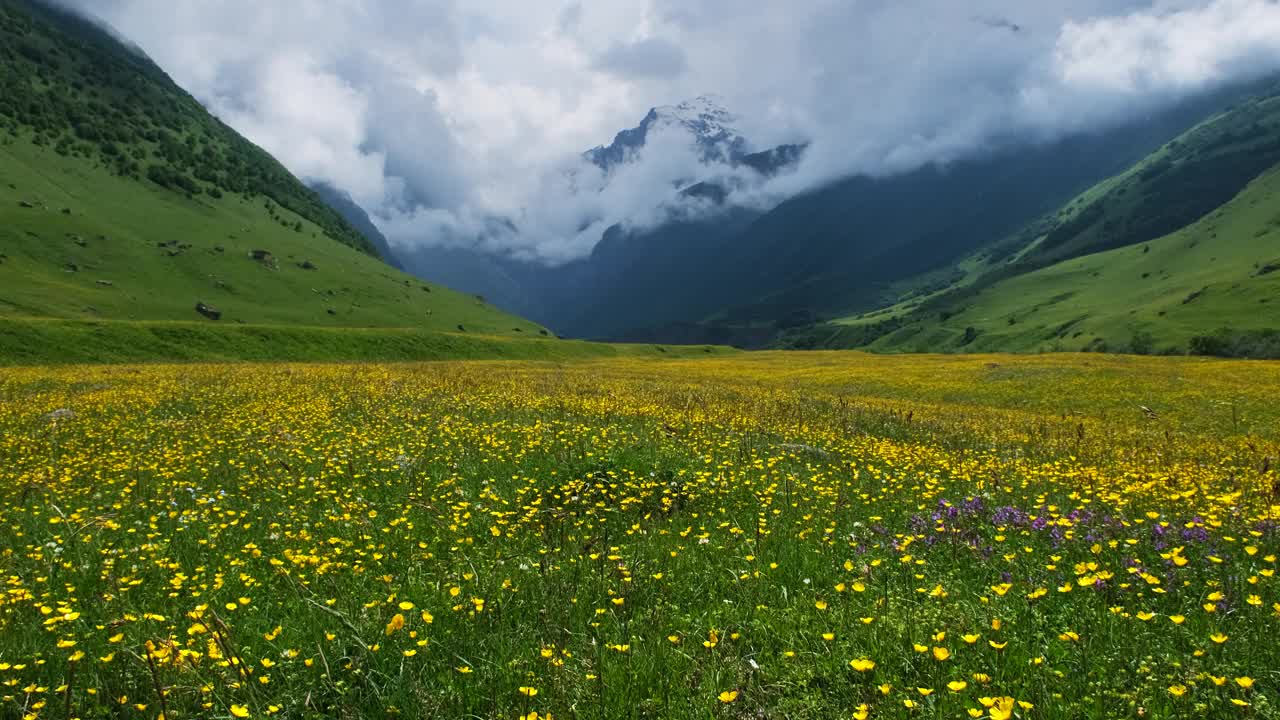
(396, 623)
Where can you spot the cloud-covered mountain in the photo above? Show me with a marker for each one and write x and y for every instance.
(439, 116)
(704, 118)
(460, 128)
(753, 270)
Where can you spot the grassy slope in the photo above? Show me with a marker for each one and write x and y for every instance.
(113, 234)
(75, 86)
(101, 261)
(1173, 187)
(1046, 275)
(1148, 287)
(51, 314)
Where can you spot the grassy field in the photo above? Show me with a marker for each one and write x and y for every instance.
(768, 535)
(64, 342)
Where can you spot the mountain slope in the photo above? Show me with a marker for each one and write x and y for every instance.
(852, 246)
(121, 199)
(1222, 271)
(845, 248)
(1158, 257)
(1180, 183)
(93, 245)
(68, 84)
(356, 216)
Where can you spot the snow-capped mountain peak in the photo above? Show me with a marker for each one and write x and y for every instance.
(709, 124)
(704, 115)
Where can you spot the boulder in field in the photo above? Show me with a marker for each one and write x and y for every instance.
(266, 258)
(208, 311)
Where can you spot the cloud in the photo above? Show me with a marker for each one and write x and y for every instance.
(462, 122)
(650, 57)
(1186, 49)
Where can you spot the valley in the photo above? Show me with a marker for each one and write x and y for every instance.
(930, 371)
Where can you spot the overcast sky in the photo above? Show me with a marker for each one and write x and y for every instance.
(440, 116)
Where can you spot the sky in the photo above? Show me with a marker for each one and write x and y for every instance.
(463, 121)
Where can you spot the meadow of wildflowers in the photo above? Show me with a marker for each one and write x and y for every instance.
(763, 536)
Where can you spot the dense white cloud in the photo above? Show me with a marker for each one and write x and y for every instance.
(641, 58)
(461, 120)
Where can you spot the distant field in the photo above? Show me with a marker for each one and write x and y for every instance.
(764, 535)
(63, 342)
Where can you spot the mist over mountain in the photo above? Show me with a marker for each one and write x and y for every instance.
(455, 124)
(752, 270)
(355, 215)
(628, 170)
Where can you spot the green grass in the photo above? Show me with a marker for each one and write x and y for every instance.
(61, 342)
(103, 266)
(774, 535)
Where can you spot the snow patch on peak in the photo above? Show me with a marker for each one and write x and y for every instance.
(704, 120)
(705, 115)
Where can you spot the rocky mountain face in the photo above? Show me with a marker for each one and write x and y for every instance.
(355, 216)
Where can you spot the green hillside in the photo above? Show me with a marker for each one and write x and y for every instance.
(83, 243)
(1181, 247)
(121, 199)
(68, 84)
(1223, 271)
(1173, 187)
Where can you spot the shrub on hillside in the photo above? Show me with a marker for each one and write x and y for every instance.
(1229, 343)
